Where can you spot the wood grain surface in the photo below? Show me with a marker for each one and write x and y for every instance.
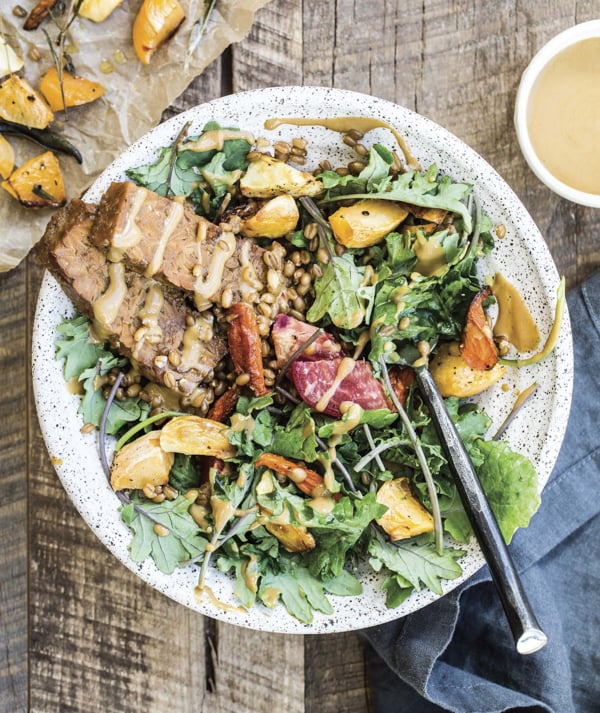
(78, 631)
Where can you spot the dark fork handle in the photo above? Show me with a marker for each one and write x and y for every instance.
(526, 631)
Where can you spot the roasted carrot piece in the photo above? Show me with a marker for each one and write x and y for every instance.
(477, 345)
(225, 405)
(401, 379)
(306, 480)
(245, 346)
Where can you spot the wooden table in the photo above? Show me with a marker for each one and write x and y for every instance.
(78, 632)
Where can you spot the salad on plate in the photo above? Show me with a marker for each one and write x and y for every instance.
(247, 330)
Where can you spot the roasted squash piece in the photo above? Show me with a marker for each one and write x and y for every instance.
(405, 517)
(97, 10)
(268, 177)
(77, 90)
(273, 219)
(196, 436)
(140, 463)
(155, 23)
(21, 104)
(366, 222)
(38, 183)
(7, 158)
(454, 377)
(293, 538)
(9, 61)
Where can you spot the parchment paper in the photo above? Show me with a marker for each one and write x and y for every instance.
(136, 95)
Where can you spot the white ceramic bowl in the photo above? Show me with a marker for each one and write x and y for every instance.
(568, 38)
(522, 256)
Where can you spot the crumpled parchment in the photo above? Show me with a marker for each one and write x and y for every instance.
(135, 97)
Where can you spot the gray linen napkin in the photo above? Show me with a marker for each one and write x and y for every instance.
(457, 654)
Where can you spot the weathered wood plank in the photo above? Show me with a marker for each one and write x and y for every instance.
(272, 52)
(336, 680)
(13, 491)
(257, 672)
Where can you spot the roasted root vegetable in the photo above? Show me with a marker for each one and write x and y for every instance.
(196, 436)
(155, 23)
(245, 346)
(401, 379)
(366, 222)
(140, 463)
(454, 377)
(477, 345)
(431, 215)
(7, 158)
(306, 480)
(38, 183)
(97, 10)
(75, 91)
(267, 177)
(294, 538)
(9, 61)
(22, 104)
(273, 219)
(225, 405)
(405, 517)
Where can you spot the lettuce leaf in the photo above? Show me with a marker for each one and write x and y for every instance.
(415, 562)
(341, 294)
(183, 541)
(510, 483)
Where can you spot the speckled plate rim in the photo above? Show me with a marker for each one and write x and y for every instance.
(522, 256)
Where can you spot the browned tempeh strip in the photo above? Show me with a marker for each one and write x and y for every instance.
(165, 239)
(150, 323)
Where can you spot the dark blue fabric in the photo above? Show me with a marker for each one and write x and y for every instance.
(458, 654)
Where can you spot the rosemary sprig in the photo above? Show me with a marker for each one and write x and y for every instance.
(198, 30)
(61, 59)
(39, 191)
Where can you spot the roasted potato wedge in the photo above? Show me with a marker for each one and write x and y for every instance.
(155, 23)
(22, 104)
(7, 158)
(196, 436)
(98, 10)
(405, 517)
(273, 219)
(366, 222)
(454, 377)
(38, 183)
(140, 463)
(77, 90)
(268, 177)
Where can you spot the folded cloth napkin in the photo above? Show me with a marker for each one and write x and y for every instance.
(458, 654)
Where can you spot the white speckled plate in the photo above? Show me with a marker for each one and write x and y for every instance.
(522, 256)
